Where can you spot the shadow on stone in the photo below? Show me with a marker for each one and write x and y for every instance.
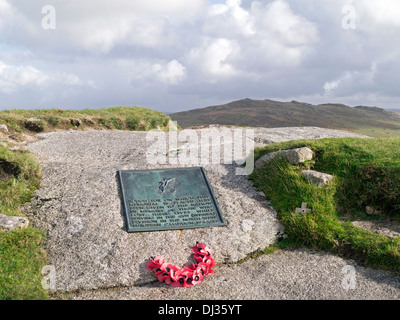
(144, 279)
(145, 274)
(122, 213)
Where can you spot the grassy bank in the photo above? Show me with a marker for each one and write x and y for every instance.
(117, 118)
(367, 173)
(21, 251)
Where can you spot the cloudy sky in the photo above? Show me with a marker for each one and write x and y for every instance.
(176, 55)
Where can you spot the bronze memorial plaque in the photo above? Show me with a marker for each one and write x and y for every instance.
(168, 199)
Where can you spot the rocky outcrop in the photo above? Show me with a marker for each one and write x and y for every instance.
(8, 223)
(3, 128)
(79, 207)
(318, 178)
(385, 228)
(372, 211)
(294, 156)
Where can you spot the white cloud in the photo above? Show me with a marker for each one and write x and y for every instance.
(214, 56)
(383, 12)
(356, 81)
(171, 73)
(270, 33)
(5, 7)
(98, 35)
(13, 78)
(148, 73)
(278, 20)
(101, 25)
(329, 86)
(6, 12)
(242, 18)
(135, 23)
(229, 19)
(217, 9)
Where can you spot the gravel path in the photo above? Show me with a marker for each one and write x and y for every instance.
(79, 207)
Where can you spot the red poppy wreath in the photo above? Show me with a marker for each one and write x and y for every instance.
(187, 276)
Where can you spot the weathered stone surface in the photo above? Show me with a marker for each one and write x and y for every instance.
(9, 223)
(372, 211)
(247, 225)
(294, 156)
(80, 181)
(3, 128)
(384, 228)
(285, 275)
(318, 178)
(300, 155)
(79, 206)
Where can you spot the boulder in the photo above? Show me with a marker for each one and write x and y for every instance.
(318, 178)
(3, 128)
(385, 228)
(294, 156)
(372, 211)
(8, 223)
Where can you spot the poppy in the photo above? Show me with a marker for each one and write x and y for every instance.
(178, 278)
(168, 267)
(189, 268)
(154, 263)
(197, 276)
(187, 276)
(189, 281)
(201, 249)
(164, 276)
(201, 252)
(210, 261)
(205, 268)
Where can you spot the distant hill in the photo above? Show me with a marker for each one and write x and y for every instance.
(271, 114)
(394, 110)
